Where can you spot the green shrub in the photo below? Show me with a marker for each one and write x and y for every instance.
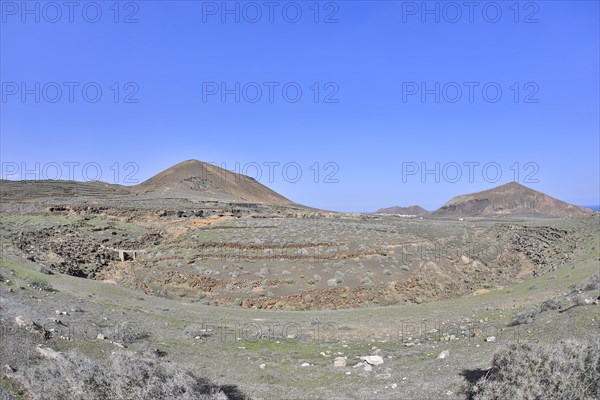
(39, 283)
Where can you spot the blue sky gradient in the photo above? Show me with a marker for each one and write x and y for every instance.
(368, 126)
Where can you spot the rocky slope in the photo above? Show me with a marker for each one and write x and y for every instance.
(194, 179)
(511, 199)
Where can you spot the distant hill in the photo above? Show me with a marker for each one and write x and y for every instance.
(511, 199)
(412, 210)
(189, 180)
(194, 179)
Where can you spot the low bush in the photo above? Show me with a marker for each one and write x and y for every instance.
(550, 304)
(39, 283)
(127, 376)
(130, 332)
(592, 283)
(565, 370)
(525, 317)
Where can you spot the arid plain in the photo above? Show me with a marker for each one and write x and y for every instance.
(211, 273)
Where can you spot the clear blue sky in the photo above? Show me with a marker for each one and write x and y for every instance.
(369, 60)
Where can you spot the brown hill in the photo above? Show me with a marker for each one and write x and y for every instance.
(194, 179)
(412, 210)
(511, 199)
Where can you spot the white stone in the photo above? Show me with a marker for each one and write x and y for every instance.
(22, 322)
(374, 360)
(443, 354)
(339, 362)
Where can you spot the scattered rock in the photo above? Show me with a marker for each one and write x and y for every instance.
(339, 362)
(262, 366)
(490, 339)
(368, 367)
(100, 337)
(443, 354)
(31, 326)
(372, 360)
(305, 365)
(394, 385)
(23, 322)
(8, 368)
(48, 353)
